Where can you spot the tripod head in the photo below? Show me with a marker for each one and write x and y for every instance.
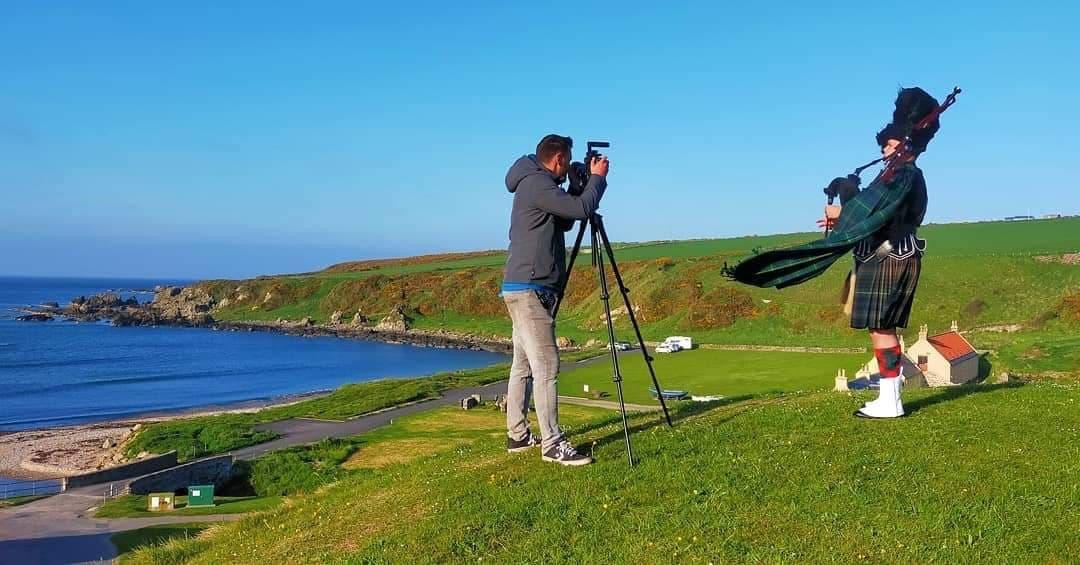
(579, 170)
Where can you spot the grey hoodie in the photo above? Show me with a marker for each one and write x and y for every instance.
(542, 212)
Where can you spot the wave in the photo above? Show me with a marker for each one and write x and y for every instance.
(161, 377)
(65, 362)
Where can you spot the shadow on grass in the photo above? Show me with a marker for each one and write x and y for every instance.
(679, 411)
(954, 393)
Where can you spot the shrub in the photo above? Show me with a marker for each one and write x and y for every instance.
(973, 309)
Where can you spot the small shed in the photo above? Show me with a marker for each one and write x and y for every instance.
(160, 501)
(200, 496)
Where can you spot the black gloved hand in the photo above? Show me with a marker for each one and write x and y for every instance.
(844, 187)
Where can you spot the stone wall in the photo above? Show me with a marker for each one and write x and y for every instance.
(121, 472)
(212, 470)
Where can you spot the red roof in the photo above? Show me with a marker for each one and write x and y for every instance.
(951, 345)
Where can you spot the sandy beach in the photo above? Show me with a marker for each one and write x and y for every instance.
(71, 450)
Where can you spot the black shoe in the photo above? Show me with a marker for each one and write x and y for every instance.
(565, 454)
(517, 446)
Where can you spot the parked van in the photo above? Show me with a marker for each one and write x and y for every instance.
(682, 341)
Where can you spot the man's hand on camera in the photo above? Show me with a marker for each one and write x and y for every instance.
(599, 166)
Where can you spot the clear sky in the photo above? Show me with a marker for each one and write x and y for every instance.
(229, 139)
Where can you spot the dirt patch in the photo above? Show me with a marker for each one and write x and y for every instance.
(1066, 259)
(972, 309)
(1070, 307)
(999, 328)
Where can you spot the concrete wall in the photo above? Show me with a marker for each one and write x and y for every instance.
(121, 472)
(215, 470)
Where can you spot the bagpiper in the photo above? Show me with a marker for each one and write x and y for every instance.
(879, 225)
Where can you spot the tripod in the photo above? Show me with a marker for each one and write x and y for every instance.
(599, 239)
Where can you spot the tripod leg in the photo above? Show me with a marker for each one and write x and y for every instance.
(599, 228)
(598, 260)
(569, 268)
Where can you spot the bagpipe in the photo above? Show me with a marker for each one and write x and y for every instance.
(892, 162)
(866, 211)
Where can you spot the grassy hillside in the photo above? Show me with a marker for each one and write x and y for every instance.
(977, 474)
(982, 274)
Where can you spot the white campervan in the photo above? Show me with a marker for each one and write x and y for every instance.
(682, 341)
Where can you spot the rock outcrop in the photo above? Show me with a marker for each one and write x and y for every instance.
(396, 321)
(177, 306)
(189, 306)
(35, 317)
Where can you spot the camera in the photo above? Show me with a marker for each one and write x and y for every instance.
(578, 175)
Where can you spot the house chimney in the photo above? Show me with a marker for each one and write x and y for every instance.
(903, 347)
(954, 327)
(841, 381)
(923, 331)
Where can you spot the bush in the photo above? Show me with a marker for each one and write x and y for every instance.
(973, 309)
(196, 437)
(299, 469)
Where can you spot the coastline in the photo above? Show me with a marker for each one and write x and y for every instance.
(48, 453)
(422, 338)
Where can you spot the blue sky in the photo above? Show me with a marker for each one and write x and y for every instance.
(228, 139)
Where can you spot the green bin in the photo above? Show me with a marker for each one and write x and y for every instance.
(200, 495)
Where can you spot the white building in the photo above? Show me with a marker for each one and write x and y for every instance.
(942, 359)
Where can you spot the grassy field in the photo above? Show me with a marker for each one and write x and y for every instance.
(979, 274)
(131, 540)
(706, 372)
(133, 506)
(975, 474)
(196, 437)
(444, 430)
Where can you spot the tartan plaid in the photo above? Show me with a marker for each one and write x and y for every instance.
(884, 292)
(861, 217)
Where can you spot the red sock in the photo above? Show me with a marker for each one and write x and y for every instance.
(888, 360)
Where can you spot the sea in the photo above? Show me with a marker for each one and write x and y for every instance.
(62, 373)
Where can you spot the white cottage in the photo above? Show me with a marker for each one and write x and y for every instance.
(942, 359)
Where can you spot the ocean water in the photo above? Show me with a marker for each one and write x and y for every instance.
(59, 373)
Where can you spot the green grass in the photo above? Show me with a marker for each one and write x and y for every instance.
(297, 470)
(708, 372)
(132, 540)
(20, 500)
(196, 437)
(134, 506)
(975, 474)
(978, 274)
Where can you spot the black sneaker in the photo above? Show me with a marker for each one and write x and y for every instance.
(565, 454)
(517, 446)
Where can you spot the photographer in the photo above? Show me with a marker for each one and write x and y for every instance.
(535, 271)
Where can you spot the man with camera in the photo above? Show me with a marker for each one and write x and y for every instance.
(532, 285)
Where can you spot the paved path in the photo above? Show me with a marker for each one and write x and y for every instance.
(59, 529)
(302, 431)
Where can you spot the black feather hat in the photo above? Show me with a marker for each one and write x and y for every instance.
(912, 105)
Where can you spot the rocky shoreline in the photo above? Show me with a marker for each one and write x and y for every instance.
(193, 307)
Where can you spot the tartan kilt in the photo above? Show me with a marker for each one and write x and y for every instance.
(884, 292)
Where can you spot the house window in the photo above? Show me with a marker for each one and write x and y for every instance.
(923, 361)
